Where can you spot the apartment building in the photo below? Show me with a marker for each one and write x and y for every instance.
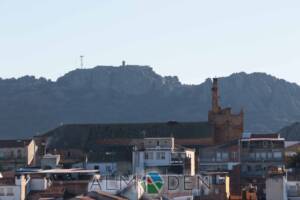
(161, 154)
(17, 153)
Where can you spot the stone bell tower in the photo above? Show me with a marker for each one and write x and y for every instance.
(227, 126)
(215, 97)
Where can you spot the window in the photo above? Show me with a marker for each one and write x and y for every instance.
(252, 156)
(10, 192)
(245, 144)
(160, 155)
(257, 156)
(249, 168)
(218, 156)
(263, 155)
(234, 155)
(225, 156)
(258, 167)
(151, 155)
(12, 154)
(19, 153)
(96, 167)
(269, 155)
(148, 155)
(277, 155)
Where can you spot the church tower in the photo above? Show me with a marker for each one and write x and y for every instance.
(227, 126)
(215, 96)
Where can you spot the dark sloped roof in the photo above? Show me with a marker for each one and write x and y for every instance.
(79, 135)
(14, 143)
(265, 135)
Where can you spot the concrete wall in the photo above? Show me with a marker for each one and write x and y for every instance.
(13, 153)
(26, 154)
(38, 184)
(51, 161)
(161, 142)
(105, 168)
(31, 153)
(18, 191)
(154, 161)
(228, 126)
(275, 188)
(293, 189)
(139, 162)
(191, 154)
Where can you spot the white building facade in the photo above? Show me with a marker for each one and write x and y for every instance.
(161, 154)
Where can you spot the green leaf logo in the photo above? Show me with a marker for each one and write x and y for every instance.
(153, 183)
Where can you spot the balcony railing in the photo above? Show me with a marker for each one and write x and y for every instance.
(177, 160)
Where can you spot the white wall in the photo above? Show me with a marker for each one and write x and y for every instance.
(154, 162)
(138, 162)
(103, 167)
(16, 192)
(38, 184)
(191, 154)
(293, 189)
(276, 188)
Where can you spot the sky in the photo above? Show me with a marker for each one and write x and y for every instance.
(192, 39)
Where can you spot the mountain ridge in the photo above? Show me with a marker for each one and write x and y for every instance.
(133, 93)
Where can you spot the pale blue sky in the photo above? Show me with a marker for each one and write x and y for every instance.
(191, 39)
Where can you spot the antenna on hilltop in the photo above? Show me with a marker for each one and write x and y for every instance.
(81, 61)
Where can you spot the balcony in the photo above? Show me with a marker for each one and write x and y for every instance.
(12, 160)
(177, 160)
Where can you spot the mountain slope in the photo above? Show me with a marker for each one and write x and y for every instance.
(291, 132)
(107, 94)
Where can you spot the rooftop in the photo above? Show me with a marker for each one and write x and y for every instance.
(87, 134)
(56, 171)
(14, 143)
(262, 139)
(265, 135)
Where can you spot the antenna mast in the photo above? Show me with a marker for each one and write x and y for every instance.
(81, 61)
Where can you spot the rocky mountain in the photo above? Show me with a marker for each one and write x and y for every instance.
(107, 94)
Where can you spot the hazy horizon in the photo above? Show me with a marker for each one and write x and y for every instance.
(192, 41)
